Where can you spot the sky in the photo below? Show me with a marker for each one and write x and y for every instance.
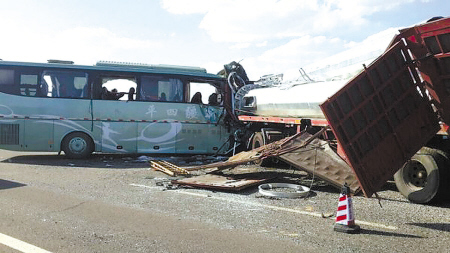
(266, 36)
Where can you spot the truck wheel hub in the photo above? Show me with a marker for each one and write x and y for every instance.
(417, 174)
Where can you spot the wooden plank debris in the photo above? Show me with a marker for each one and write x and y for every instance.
(168, 168)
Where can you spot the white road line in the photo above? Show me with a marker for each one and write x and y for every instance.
(20, 245)
(146, 186)
(276, 208)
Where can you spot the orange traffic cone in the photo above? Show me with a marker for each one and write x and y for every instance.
(345, 219)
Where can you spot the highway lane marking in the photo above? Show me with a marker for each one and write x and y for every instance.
(20, 245)
(275, 208)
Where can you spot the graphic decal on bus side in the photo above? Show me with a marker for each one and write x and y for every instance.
(172, 112)
(166, 141)
(191, 112)
(151, 110)
(161, 135)
(106, 137)
(5, 111)
(210, 114)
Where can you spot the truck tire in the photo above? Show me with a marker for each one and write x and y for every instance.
(422, 179)
(258, 141)
(77, 145)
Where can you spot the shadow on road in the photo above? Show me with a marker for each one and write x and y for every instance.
(115, 161)
(5, 184)
(384, 233)
(436, 226)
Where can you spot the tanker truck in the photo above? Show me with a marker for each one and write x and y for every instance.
(389, 121)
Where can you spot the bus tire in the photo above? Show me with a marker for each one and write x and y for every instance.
(258, 141)
(77, 145)
(422, 179)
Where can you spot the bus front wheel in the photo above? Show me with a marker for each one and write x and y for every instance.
(77, 145)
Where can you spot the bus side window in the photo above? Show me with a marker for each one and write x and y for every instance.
(159, 88)
(29, 85)
(204, 93)
(118, 88)
(149, 88)
(66, 84)
(7, 82)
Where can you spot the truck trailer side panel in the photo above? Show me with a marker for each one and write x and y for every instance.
(382, 117)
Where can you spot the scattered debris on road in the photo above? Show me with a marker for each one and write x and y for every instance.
(284, 190)
(221, 182)
(168, 168)
(302, 151)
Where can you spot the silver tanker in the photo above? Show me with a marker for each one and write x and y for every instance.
(299, 100)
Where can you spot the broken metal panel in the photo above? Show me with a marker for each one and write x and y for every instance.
(319, 159)
(229, 182)
(381, 117)
(238, 159)
(303, 151)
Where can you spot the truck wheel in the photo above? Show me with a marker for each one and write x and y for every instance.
(257, 142)
(422, 179)
(77, 145)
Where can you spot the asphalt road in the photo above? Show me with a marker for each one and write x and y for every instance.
(116, 204)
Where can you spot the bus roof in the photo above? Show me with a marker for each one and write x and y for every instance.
(121, 67)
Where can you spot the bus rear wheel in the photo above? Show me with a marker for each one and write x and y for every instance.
(423, 179)
(77, 145)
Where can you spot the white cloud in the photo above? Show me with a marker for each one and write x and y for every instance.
(292, 55)
(189, 7)
(240, 46)
(322, 56)
(294, 27)
(262, 44)
(84, 45)
(348, 61)
(245, 21)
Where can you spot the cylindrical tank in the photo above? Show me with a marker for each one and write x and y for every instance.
(300, 101)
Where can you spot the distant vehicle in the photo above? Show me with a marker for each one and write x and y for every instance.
(110, 107)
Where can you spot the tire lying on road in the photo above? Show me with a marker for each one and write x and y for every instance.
(423, 179)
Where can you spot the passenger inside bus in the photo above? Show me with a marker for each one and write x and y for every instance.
(197, 98)
(163, 97)
(43, 91)
(212, 100)
(116, 95)
(131, 94)
(111, 95)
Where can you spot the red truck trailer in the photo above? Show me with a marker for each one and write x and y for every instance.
(394, 115)
(390, 119)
